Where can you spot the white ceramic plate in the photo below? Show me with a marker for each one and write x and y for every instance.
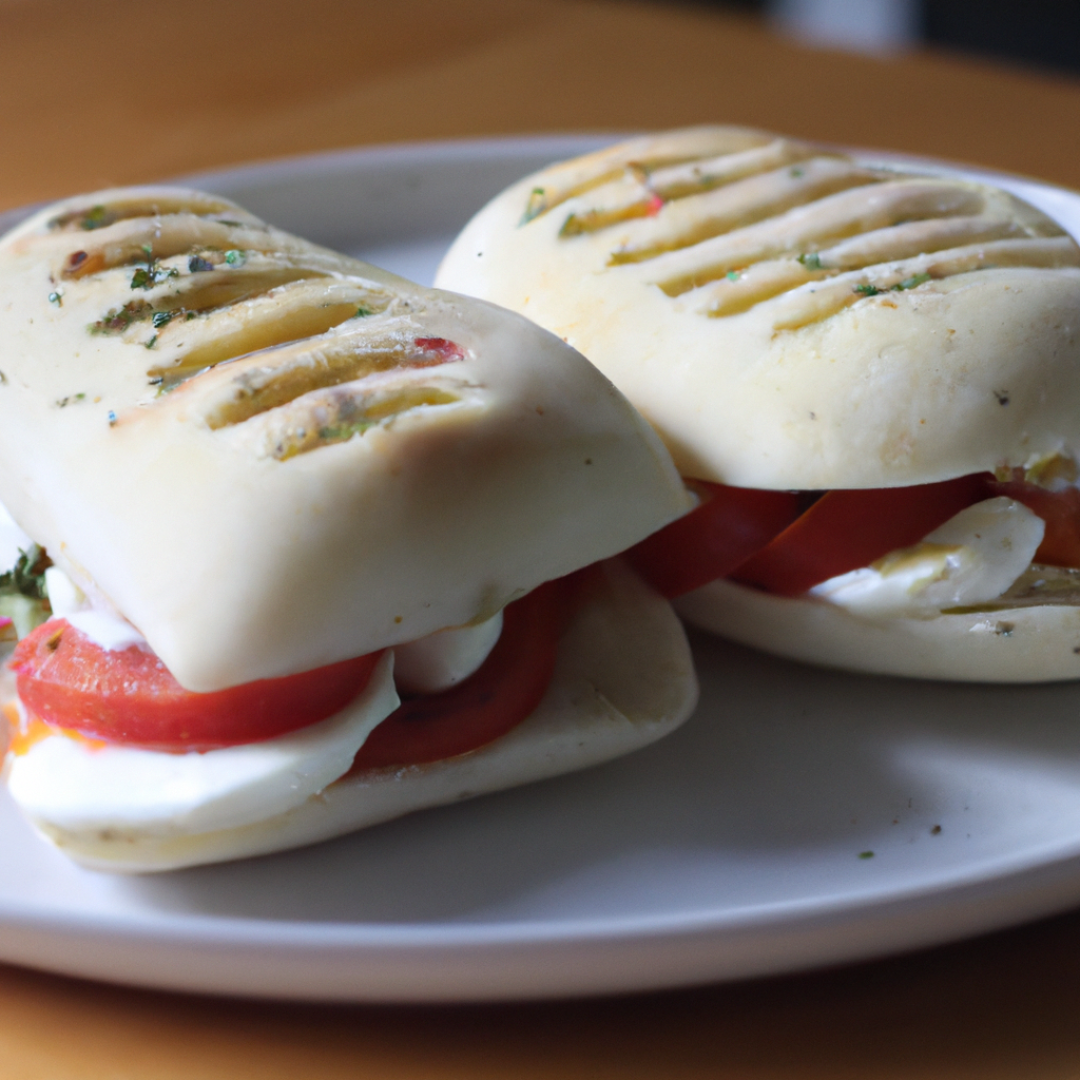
(802, 817)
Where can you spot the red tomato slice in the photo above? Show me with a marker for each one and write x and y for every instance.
(719, 534)
(130, 697)
(845, 529)
(1061, 512)
(505, 689)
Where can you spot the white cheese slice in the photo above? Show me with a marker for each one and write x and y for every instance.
(440, 660)
(103, 626)
(65, 597)
(974, 557)
(113, 789)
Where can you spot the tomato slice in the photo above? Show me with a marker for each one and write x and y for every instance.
(1059, 509)
(845, 530)
(761, 538)
(501, 693)
(720, 533)
(128, 696)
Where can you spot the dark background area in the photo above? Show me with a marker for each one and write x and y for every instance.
(1036, 33)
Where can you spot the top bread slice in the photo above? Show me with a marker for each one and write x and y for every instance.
(270, 457)
(791, 318)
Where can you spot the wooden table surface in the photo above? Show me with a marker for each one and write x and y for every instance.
(94, 92)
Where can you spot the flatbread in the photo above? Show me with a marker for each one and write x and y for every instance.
(789, 317)
(270, 457)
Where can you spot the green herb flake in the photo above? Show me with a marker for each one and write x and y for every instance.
(152, 273)
(56, 298)
(912, 282)
(27, 577)
(3, 378)
(867, 290)
(96, 217)
(196, 264)
(189, 316)
(151, 343)
(24, 596)
(811, 260)
(536, 205)
(733, 275)
(866, 854)
(341, 432)
(71, 399)
(363, 313)
(235, 258)
(161, 318)
(117, 320)
(796, 172)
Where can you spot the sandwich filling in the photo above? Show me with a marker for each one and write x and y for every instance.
(101, 736)
(983, 541)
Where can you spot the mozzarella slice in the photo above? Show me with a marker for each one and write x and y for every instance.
(65, 597)
(111, 790)
(974, 557)
(101, 625)
(440, 660)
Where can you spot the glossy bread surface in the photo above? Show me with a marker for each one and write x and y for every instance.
(790, 317)
(270, 457)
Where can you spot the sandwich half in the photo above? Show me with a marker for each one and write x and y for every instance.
(869, 375)
(299, 545)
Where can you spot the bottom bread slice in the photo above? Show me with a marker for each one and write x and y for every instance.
(623, 679)
(1023, 644)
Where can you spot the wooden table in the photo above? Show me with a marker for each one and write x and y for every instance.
(114, 91)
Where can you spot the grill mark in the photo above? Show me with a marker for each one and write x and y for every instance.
(126, 243)
(303, 309)
(676, 182)
(810, 227)
(915, 238)
(237, 392)
(325, 418)
(761, 282)
(814, 302)
(769, 278)
(693, 178)
(208, 292)
(93, 216)
(686, 222)
(584, 174)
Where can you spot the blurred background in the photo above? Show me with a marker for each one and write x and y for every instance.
(101, 92)
(1041, 33)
